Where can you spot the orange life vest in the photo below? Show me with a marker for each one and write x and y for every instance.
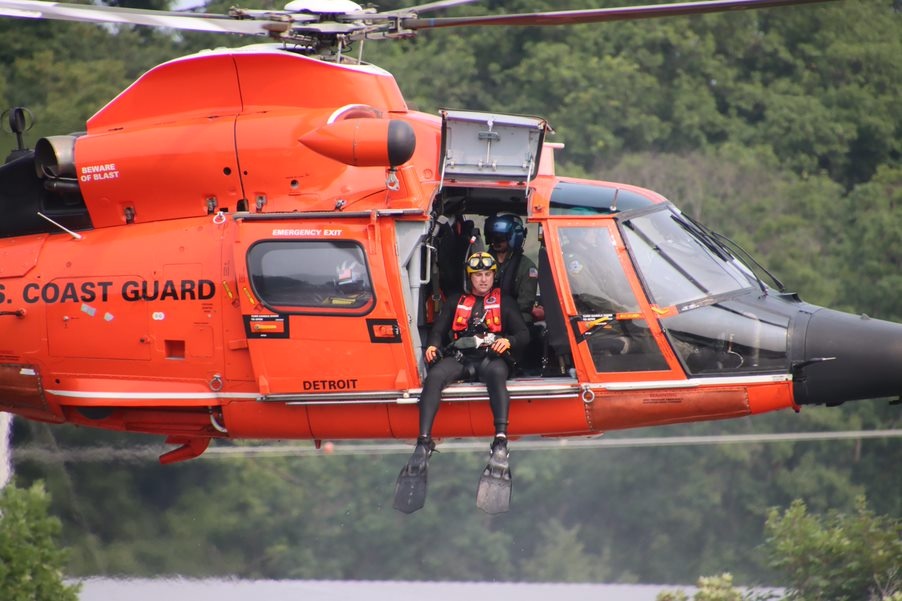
(492, 304)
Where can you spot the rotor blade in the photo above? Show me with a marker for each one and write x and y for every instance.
(573, 17)
(34, 9)
(430, 6)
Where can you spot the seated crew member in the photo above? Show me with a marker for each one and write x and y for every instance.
(483, 326)
(454, 242)
(351, 286)
(597, 290)
(517, 274)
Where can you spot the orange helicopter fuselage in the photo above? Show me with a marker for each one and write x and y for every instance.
(216, 166)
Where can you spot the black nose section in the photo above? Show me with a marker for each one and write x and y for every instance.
(845, 357)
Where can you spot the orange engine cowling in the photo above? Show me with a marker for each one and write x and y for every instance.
(364, 142)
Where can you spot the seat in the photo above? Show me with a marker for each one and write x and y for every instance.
(556, 338)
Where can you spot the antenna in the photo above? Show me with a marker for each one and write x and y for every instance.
(75, 235)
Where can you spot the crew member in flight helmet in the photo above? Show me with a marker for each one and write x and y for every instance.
(517, 274)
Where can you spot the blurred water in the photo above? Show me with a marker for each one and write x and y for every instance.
(102, 589)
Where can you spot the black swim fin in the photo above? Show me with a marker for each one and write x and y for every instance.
(410, 489)
(493, 494)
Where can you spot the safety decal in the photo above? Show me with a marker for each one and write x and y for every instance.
(266, 326)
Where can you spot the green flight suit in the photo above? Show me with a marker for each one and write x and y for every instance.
(522, 285)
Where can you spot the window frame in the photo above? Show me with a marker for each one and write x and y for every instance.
(341, 247)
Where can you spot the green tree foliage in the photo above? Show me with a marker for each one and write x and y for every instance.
(715, 588)
(65, 72)
(874, 245)
(30, 561)
(837, 557)
(794, 80)
(834, 557)
(561, 556)
(780, 128)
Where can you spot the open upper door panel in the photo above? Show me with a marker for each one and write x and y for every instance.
(488, 147)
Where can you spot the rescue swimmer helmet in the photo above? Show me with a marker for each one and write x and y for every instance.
(481, 261)
(351, 277)
(508, 226)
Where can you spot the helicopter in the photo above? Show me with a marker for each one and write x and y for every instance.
(248, 243)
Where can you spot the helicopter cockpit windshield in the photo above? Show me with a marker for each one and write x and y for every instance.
(720, 318)
(680, 263)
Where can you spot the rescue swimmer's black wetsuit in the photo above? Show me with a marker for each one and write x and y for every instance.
(489, 368)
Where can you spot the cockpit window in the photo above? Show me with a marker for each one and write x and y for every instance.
(576, 198)
(739, 335)
(607, 318)
(316, 275)
(597, 281)
(679, 261)
(720, 326)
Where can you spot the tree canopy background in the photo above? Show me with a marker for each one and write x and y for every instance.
(779, 128)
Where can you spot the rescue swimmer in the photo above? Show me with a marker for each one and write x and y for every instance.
(484, 327)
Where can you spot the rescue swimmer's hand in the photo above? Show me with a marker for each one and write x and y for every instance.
(501, 345)
(431, 352)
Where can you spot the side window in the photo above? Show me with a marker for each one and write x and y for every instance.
(311, 276)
